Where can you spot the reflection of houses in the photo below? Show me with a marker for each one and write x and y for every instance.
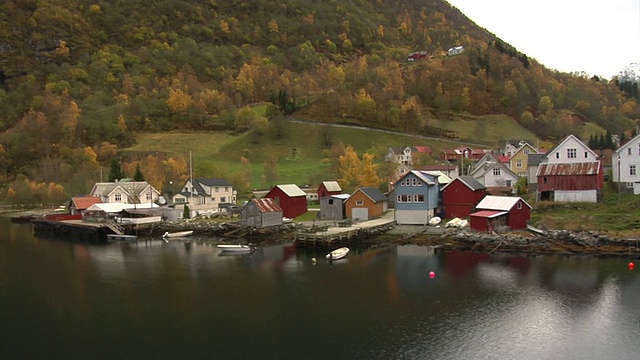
(204, 195)
(416, 198)
(329, 188)
(261, 213)
(290, 198)
(332, 207)
(81, 203)
(495, 212)
(125, 191)
(570, 172)
(461, 195)
(366, 203)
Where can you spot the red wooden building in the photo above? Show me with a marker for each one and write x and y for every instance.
(328, 188)
(571, 182)
(291, 199)
(499, 211)
(461, 195)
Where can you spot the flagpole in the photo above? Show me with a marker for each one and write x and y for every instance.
(190, 181)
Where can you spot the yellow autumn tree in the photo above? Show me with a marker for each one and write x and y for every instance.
(369, 173)
(349, 169)
(178, 100)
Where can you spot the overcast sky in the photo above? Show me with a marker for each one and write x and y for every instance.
(599, 37)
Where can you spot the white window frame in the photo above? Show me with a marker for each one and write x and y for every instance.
(572, 153)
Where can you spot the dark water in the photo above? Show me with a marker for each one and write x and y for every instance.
(184, 301)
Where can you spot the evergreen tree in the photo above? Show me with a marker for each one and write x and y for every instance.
(138, 176)
(186, 214)
(591, 142)
(608, 141)
(116, 170)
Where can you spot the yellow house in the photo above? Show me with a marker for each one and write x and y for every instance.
(518, 162)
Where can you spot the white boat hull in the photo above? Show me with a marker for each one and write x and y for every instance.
(338, 253)
(179, 234)
(236, 248)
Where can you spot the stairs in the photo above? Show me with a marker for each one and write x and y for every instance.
(115, 227)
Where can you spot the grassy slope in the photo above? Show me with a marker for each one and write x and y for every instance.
(218, 153)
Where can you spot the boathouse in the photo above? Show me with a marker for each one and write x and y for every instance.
(366, 203)
(332, 207)
(461, 195)
(495, 212)
(260, 213)
(329, 188)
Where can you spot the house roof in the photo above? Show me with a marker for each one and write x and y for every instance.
(489, 214)
(632, 142)
(332, 186)
(291, 190)
(442, 177)
(566, 139)
(535, 159)
(470, 182)
(439, 167)
(373, 193)
(338, 196)
(128, 187)
(517, 143)
(423, 149)
(566, 169)
(422, 175)
(504, 203)
(83, 202)
(266, 205)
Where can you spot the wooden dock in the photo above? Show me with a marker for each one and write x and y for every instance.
(329, 236)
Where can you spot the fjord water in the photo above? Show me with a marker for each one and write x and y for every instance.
(182, 300)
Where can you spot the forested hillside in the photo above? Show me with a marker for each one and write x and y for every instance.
(79, 78)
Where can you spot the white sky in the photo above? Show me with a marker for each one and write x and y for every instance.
(599, 37)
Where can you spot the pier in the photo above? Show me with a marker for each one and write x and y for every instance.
(344, 231)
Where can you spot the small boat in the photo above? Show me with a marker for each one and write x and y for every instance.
(338, 253)
(237, 248)
(178, 234)
(435, 221)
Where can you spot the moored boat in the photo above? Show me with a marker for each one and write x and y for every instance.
(168, 235)
(236, 247)
(338, 253)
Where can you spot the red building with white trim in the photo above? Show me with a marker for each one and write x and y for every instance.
(290, 198)
(498, 211)
(461, 195)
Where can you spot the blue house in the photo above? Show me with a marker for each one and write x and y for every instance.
(416, 197)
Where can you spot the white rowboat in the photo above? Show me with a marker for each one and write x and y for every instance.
(236, 248)
(178, 234)
(338, 253)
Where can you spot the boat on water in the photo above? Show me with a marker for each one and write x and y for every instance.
(338, 253)
(236, 247)
(179, 234)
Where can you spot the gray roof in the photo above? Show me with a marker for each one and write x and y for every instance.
(374, 194)
(198, 182)
(535, 159)
(472, 183)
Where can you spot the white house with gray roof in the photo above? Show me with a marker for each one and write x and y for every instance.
(204, 195)
(125, 191)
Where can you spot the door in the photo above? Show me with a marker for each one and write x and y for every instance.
(360, 214)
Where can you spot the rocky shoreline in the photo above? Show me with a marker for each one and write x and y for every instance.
(560, 242)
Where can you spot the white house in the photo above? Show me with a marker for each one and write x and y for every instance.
(626, 166)
(125, 191)
(570, 151)
(204, 195)
(494, 175)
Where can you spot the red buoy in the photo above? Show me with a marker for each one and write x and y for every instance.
(432, 274)
(631, 265)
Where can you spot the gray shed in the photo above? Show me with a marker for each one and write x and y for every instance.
(332, 207)
(261, 213)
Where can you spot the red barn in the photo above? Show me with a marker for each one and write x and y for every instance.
(570, 182)
(328, 188)
(497, 211)
(461, 195)
(291, 199)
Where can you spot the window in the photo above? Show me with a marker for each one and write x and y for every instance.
(632, 170)
(330, 201)
(418, 198)
(526, 151)
(404, 198)
(572, 153)
(226, 189)
(148, 196)
(359, 202)
(519, 205)
(223, 199)
(629, 184)
(213, 199)
(586, 155)
(118, 197)
(496, 171)
(629, 151)
(414, 182)
(518, 163)
(217, 189)
(557, 155)
(508, 182)
(180, 200)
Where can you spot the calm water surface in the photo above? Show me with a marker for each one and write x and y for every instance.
(60, 299)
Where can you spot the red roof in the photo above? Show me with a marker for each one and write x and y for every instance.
(266, 205)
(83, 202)
(488, 213)
(423, 149)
